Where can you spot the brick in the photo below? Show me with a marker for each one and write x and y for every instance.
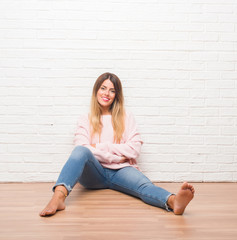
(219, 140)
(229, 130)
(220, 158)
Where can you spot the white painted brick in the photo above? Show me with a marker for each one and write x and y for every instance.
(191, 177)
(175, 111)
(221, 158)
(228, 149)
(173, 36)
(173, 149)
(160, 176)
(228, 37)
(177, 63)
(164, 102)
(164, 129)
(204, 17)
(218, 8)
(156, 158)
(227, 18)
(228, 93)
(204, 168)
(203, 149)
(228, 168)
(206, 93)
(227, 121)
(229, 131)
(196, 56)
(220, 102)
(173, 167)
(149, 149)
(219, 46)
(198, 112)
(220, 27)
(229, 112)
(154, 120)
(205, 75)
(187, 121)
(190, 158)
(234, 177)
(189, 140)
(150, 167)
(159, 139)
(224, 66)
(229, 75)
(190, 102)
(195, 66)
(195, 27)
(219, 140)
(205, 130)
(214, 177)
(228, 57)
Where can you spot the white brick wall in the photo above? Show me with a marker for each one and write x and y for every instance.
(176, 59)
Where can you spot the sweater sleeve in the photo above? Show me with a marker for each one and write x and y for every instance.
(82, 137)
(131, 148)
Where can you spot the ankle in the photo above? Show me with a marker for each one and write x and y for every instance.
(170, 201)
(61, 192)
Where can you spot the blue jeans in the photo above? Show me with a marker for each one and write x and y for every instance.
(84, 168)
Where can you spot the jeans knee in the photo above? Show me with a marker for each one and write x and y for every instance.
(80, 152)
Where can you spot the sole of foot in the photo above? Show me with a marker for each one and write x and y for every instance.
(183, 197)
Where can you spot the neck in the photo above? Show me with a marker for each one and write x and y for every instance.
(106, 112)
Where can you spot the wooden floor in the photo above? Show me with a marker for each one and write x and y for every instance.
(107, 214)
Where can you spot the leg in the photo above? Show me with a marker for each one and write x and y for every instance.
(80, 161)
(133, 182)
(129, 180)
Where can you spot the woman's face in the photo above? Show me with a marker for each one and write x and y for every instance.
(106, 95)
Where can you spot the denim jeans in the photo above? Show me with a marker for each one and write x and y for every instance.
(84, 168)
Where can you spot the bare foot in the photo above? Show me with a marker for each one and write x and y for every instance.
(55, 204)
(180, 201)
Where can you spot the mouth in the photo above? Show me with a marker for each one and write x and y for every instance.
(105, 99)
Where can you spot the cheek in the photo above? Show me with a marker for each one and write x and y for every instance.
(112, 96)
(98, 94)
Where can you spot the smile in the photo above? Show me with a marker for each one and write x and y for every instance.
(105, 99)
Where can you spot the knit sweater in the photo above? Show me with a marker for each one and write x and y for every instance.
(108, 153)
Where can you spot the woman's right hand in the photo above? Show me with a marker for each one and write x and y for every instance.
(124, 159)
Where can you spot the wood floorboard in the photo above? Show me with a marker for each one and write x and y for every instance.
(107, 214)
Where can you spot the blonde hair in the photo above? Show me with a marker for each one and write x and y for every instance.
(116, 108)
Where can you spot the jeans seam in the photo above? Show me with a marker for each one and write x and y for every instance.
(141, 194)
(91, 161)
(96, 168)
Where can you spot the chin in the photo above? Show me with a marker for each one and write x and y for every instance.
(103, 104)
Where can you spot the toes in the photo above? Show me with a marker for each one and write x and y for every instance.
(188, 186)
(42, 214)
(47, 212)
(192, 189)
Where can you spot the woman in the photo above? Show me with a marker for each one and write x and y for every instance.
(107, 146)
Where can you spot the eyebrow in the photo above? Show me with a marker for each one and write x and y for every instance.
(106, 87)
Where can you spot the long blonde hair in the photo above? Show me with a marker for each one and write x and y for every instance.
(116, 108)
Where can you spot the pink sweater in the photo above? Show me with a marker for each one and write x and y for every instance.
(107, 152)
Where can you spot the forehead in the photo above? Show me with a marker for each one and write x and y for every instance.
(108, 83)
